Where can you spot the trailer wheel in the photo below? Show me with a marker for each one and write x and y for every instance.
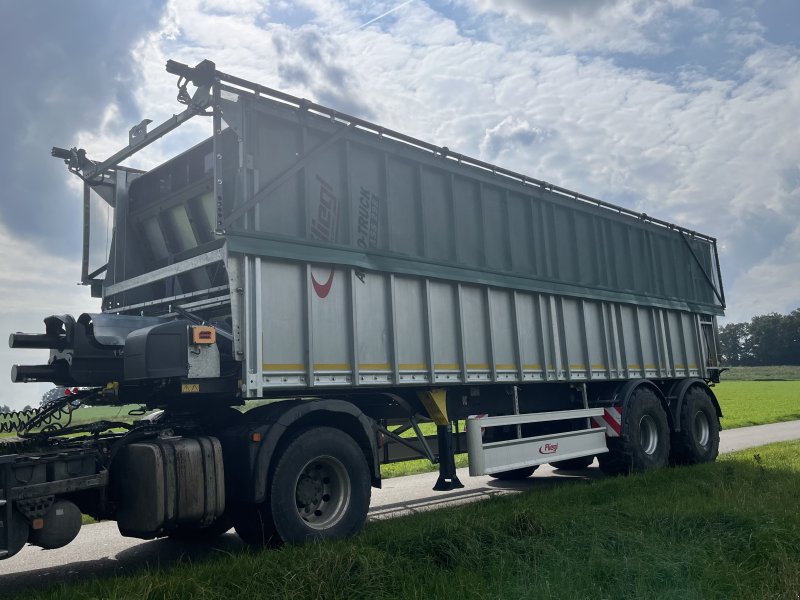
(698, 439)
(573, 464)
(644, 441)
(254, 524)
(515, 474)
(320, 488)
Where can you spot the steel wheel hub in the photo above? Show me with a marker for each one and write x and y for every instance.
(702, 429)
(648, 434)
(322, 492)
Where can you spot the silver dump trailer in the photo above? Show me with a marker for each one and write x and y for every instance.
(358, 282)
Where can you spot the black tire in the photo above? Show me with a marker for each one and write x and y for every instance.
(198, 534)
(645, 438)
(320, 488)
(698, 440)
(253, 523)
(573, 464)
(515, 474)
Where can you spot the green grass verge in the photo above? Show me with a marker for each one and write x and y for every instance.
(724, 530)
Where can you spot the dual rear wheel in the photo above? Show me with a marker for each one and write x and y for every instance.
(646, 441)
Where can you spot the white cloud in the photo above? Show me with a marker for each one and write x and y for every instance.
(771, 285)
(635, 26)
(716, 153)
(34, 286)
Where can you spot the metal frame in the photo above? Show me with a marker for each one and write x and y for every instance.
(184, 266)
(518, 452)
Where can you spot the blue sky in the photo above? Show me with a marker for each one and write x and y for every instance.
(687, 110)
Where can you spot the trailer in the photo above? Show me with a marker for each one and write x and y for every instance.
(352, 283)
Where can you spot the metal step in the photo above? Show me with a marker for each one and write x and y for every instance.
(516, 453)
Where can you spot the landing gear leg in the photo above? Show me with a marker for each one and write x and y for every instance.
(448, 479)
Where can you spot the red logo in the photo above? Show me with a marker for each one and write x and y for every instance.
(548, 448)
(323, 289)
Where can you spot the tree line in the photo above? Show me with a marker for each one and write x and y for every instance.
(5, 409)
(770, 339)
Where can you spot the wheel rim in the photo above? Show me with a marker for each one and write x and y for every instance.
(322, 493)
(702, 429)
(648, 434)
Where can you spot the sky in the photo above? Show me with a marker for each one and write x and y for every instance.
(687, 110)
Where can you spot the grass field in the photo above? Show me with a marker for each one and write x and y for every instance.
(747, 403)
(761, 373)
(724, 530)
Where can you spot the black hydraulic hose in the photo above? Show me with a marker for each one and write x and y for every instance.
(49, 416)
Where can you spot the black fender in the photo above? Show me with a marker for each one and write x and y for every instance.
(677, 394)
(625, 392)
(274, 421)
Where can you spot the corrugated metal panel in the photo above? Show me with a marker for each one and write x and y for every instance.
(384, 202)
(315, 325)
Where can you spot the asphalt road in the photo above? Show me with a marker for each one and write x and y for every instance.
(99, 550)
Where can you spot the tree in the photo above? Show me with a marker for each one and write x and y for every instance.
(770, 339)
(734, 342)
(50, 395)
(793, 336)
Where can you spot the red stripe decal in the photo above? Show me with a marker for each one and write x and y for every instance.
(612, 423)
(322, 289)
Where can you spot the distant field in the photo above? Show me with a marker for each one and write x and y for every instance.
(747, 403)
(87, 414)
(761, 373)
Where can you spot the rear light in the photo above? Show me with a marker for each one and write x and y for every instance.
(204, 334)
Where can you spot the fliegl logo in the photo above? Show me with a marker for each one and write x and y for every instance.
(548, 448)
(324, 226)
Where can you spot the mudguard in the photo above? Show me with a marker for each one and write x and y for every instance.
(271, 422)
(677, 394)
(626, 391)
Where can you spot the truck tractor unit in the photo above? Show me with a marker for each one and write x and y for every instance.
(291, 300)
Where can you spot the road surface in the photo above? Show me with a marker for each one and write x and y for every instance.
(99, 550)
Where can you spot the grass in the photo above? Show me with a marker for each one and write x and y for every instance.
(746, 403)
(723, 530)
(761, 373)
